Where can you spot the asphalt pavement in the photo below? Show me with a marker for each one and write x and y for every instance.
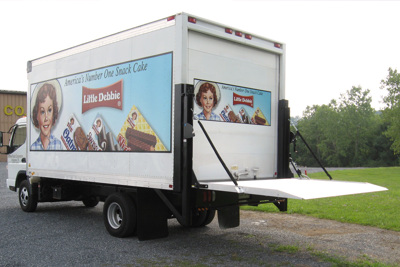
(69, 234)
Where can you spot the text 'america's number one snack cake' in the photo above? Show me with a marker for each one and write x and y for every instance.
(137, 135)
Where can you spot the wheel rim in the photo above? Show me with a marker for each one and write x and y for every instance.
(114, 215)
(24, 196)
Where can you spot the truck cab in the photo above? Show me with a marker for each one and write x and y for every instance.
(16, 150)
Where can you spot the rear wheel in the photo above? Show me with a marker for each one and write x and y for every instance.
(28, 197)
(119, 214)
(210, 217)
(202, 218)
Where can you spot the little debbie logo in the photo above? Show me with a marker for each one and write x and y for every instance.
(244, 100)
(109, 96)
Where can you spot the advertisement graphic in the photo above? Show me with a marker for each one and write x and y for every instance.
(230, 103)
(119, 108)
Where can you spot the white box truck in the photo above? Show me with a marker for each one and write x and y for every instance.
(178, 118)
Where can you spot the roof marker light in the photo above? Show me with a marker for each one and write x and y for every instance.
(170, 18)
(227, 30)
(248, 36)
(239, 34)
(277, 45)
(192, 20)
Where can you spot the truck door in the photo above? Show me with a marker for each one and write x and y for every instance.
(243, 125)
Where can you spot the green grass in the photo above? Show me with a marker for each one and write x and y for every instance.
(291, 249)
(363, 261)
(380, 209)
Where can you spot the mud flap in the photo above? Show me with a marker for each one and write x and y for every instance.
(152, 215)
(229, 217)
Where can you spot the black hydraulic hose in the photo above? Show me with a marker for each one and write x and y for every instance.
(295, 168)
(217, 154)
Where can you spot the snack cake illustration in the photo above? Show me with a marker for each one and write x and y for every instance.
(137, 135)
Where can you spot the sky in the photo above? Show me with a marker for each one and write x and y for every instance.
(330, 45)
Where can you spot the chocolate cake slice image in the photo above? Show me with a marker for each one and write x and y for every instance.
(140, 141)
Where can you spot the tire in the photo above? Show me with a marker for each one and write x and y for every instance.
(28, 197)
(202, 218)
(210, 217)
(119, 214)
(90, 202)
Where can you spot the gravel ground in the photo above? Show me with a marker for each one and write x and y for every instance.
(351, 241)
(68, 234)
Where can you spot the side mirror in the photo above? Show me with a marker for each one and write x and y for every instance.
(1, 139)
(7, 151)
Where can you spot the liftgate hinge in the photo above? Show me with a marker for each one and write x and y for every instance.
(188, 131)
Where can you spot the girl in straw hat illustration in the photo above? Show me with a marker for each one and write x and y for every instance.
(46, 106)
(207, 98)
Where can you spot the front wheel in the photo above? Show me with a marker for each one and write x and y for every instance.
(90, 202)
(28, 197)
(119, 214)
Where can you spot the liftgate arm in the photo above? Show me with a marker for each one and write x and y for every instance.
(312, 153)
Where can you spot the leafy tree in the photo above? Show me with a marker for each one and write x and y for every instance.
(381, 155)
(391, 114)
(344, 133)
(357, 120)
(311, 131)
(319, 127)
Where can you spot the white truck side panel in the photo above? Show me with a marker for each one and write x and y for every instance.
(126, 168)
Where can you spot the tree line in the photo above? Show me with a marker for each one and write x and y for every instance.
(348, 132)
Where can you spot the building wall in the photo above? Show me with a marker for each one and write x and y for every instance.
(12, 107)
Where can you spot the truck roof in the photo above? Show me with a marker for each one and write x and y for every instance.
(145, 28)
(21, 120)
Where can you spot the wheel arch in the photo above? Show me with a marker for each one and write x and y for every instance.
(21, 176)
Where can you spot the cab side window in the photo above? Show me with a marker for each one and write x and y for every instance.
(19, 137)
